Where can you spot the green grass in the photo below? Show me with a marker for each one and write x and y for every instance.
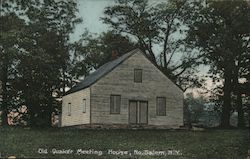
(24, 142)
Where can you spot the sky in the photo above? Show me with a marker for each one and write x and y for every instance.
(91, 10)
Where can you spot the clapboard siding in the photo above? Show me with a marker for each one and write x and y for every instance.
(120, 81)
(77, 116)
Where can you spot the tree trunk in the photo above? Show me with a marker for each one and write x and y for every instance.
(64, 80)
(50, 110)
(31, 111)
(238, 91)
(165, 47)
(32, 115)
(241, 122)
(226, 107)
(4, 107)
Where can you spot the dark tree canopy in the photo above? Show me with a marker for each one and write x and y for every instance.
(221, 31)
(41, 49)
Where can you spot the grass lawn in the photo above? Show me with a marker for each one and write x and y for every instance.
(25, 143)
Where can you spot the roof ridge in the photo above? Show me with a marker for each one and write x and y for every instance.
(106, 68)
(100, 72)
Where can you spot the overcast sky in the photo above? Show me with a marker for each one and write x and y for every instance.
(91, 11)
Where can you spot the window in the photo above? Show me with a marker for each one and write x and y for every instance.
(115, 104)
(69, 109)
(161, 106)
(84, 105)
(138, 75)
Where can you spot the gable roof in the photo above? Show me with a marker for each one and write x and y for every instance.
(104, 69)
(101, 71)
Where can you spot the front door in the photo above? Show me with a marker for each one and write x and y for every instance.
(138, 112)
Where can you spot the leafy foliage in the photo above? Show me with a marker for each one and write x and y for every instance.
(220, 30)
(161, 26)
(43, 52)
(92, 52)
(195, 106)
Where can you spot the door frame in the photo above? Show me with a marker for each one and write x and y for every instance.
(137, 111)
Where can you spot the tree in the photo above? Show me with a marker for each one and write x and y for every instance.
(160, 26)
(92, 52)
(242, 72)
(195, 106)
(44, 53)
(11, 28)
(220, 30)
(42, 68)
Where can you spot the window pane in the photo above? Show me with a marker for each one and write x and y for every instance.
(69, 108)
(138, 75)
(161, 106)
(111, 104)
(115, 104)
(118, 103)
(84, 106)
